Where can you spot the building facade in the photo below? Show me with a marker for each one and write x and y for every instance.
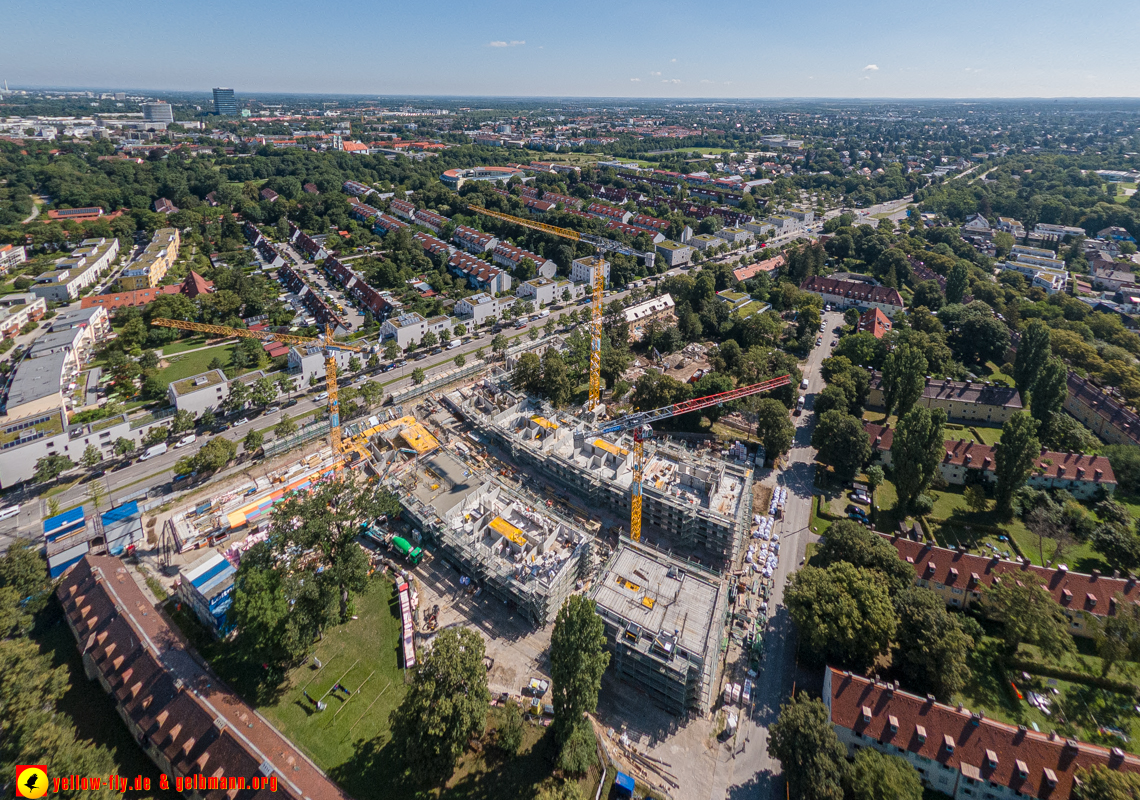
(963, 401)
(854, 294)
(225, 103)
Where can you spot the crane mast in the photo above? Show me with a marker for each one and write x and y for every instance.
(640, 423)
(327, 343)
(601, 245)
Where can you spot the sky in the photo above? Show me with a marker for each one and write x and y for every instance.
(663, 49)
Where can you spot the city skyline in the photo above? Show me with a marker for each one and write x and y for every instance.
(732, 50)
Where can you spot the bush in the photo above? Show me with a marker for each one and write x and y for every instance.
(511, 728)
(580, 751)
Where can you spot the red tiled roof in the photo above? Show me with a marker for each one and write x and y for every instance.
(875, 322)
(980, 748)
(975, 392)
(1072, 590)
(744, 273)
(853, 290)
(195, 285)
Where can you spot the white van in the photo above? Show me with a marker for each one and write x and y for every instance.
(804, 384)
(544, 313)
(186, 440)
(151, 452)
(454, 343)
(10, 511)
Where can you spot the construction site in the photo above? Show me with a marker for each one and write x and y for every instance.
(697, 504)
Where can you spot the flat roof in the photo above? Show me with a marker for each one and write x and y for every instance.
(192, 384)
(660, 596)
(37, 378)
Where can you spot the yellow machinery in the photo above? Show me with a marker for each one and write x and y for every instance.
(601, 244)
(327, 343)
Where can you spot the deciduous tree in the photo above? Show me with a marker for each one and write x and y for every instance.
(917, 451)
(774, 427)
(931, 645)
(1017, 451)
(843, 614)
(1029, 615)
(577, 661)
(813, 759)
(842, 443)
(876, 776)
(904, 378)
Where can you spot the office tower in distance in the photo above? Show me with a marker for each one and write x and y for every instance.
(225, 104)
(158, 112)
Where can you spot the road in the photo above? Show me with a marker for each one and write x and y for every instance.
(748, 771)
(35, 209)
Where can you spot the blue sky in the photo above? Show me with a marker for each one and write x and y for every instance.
(722, 48)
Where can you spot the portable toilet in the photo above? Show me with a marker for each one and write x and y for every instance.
(623, 785)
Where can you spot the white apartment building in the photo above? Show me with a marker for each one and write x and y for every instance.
(412, 328)
(478, 308)
(582, 270)
(198, 393)
(77, 271)
(11, 255)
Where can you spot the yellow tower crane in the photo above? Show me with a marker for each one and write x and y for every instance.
(327, 343)
(600, 244)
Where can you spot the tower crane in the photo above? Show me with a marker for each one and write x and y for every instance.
(601, 244)
(326, 342)
(640, 423)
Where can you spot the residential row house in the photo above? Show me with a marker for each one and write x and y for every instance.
(412, 327)
(957, 752)
(314, 250)
(963, 401)
(479, 274)
(1101, 411)
(1084, 476)
(478, 308)
(855, 294)
(473, 241)
(509, 256)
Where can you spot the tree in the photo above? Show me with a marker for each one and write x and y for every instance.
(181, 422)
(875, 478)
(148, 360)
(1104, 783)
(124, 446)
(917, 450)
(216, 363)
(931, 645)
(957, 282)
(237, 397)
(253, 441)
(430, 339)
(850, 542)
(615, 361)
(774, 427)
(975, 497)
(811, 755)
(929, 295)
(156, 435)
(499, 344)
(843, 614)
(851, 317)
(511, 728)
(1118, 636)
(48, 468)
(91, 456)
(875, 776)
(264, 392)
(1016, 454)
(841, 441)
(96, 493)
(286, 427)
(904, 378)
(208, 418)
(418, 375)
(527, 374)
(445, 706)
(354, 363)
(25, 588)
(555, 382)
(577, 661)
(580, 750)
(1029, 615)
(217, 452)
(1032, 352)
(1049, 391)
(460, 360)
(391, 350)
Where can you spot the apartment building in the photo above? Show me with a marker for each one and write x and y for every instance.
(411, 328)
(582, 271)
(479, 274)
(383, 224)
(957, 752)
(1046, 233)
(77, 271)
(874, 322)
(403, 209)
(151, 266)
(308, 361)
(855, 294)
(735, 235)
(11, 256)
(198, 393)
(357, 189)
(963, 401)
(639, 316)
(609, 212)
(430, 220)
(94, 321)
(967, 462)
(185, 720)
(473, 241)
(508, 256)
(703, 241)
(1101, 412)
(478, 308)
(15, 316)
(435, 247)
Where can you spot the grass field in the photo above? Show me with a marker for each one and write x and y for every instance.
(186, 364)
(183, 344)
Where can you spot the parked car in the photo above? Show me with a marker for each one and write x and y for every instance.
(859, 496)
(289, 403)
(188, 439)
(853, 509)
(322, 396)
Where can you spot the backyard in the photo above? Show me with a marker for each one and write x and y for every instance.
(193, 363)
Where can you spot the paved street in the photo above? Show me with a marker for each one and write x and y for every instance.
(748, 771)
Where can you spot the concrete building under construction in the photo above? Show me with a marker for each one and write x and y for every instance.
(663, 624)
(701, 503)
(525, 556)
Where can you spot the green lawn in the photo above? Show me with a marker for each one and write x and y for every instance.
(989, 435)
(1083, 708)
(183, 344)
(187, 364)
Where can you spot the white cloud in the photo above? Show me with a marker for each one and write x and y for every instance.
(706, 80)
(973, 69)
(511, 43)
(865, 78)
(871, 68)
(672, 61)
(654, 73)
(671, 80)
(636, 80)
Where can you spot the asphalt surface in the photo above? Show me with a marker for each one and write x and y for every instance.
(748, 771)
